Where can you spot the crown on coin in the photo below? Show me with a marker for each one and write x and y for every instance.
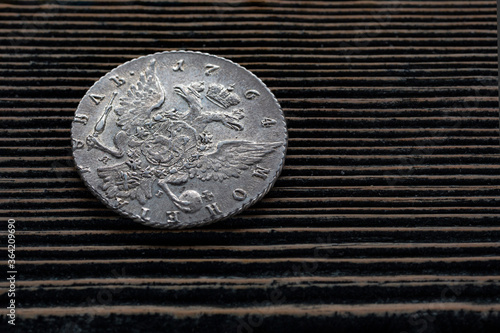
(222, 96)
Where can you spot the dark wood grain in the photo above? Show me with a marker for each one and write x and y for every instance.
(387, 213)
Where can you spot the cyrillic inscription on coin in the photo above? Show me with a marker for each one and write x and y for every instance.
(179, 139)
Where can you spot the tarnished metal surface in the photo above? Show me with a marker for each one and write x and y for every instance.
(179, 139)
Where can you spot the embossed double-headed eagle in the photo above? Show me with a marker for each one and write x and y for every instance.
(170, 147)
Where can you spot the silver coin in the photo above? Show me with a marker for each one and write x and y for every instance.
(179, 139)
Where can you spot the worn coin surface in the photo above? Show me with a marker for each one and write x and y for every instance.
(179, 139)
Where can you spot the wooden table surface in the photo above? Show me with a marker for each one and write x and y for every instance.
(386, 216)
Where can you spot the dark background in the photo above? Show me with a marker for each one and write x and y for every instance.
(386, 216)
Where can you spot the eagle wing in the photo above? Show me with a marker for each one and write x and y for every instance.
(141, 98)
(230, 159)
(121, 181)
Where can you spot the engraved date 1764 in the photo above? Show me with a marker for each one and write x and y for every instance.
(179, 139)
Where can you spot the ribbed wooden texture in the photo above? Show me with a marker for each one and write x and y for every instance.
(386, 216)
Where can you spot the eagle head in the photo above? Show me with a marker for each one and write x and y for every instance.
(191, 92)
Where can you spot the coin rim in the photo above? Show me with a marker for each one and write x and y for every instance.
(184, 225)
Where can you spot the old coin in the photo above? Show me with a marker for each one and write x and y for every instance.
(179, 139)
